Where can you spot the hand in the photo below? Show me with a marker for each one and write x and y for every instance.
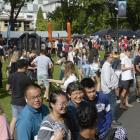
(59, 135)
(132, 68)
(50, 80)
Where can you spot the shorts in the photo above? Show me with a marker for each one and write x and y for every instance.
(42, 80)
(125, 84)
(138, 82)
(16, 110)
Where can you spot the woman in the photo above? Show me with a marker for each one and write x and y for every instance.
(4, 127)
(55, 126)
(84, 64)
(69, 76)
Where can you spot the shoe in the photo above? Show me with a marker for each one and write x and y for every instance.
(115, 122)
(129, 105)
(118, 101)
(138, 100)
(123, 107)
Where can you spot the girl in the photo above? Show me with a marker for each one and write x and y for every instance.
(69, 76)
(4, 127)
(55, 126)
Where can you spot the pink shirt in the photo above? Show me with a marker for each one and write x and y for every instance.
(4, 128)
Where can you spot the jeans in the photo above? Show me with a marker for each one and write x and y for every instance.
(112, 100)
(85, 70)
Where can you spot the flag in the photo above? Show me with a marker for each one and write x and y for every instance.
(122, 4)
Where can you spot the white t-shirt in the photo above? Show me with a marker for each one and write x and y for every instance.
(128, 74)
(70, 79)
(42, 63)
(70, 56)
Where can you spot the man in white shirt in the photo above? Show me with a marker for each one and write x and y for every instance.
(44, 64)
(126, 77)
(109, 82)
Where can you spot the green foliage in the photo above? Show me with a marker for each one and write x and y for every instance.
(88, 16)
(41, 23)
(133, 14)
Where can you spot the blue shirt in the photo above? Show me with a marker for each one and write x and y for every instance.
(71, 111)
(104, 113)
(29, 121)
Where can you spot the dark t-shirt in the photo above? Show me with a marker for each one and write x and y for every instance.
(19, 81)
(137, 62)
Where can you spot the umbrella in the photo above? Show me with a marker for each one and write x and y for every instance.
(114, 32)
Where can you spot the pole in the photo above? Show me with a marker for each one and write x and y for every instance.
(117, 18)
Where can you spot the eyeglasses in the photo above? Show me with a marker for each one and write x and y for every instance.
(36, 97)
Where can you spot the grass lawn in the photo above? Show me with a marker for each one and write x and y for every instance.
(5, 98)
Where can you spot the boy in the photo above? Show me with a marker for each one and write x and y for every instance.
(101, 102)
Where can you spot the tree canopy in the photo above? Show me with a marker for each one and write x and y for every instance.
(87, 16)
(41, 23)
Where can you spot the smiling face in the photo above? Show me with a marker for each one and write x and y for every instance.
(77, 96)
(60, 105)
(34, 98)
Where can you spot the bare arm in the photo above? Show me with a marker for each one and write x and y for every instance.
(123, 68)
(56, 81)
(137, 68)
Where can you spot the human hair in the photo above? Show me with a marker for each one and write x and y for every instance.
(128, 49)
(90, 57)
(21, 63)
(69, 69)
(53, 97)
(139, 48)
(74, 86)
(88, 83)
(84, 53)
(15, 56)
(107, 54)
(31, 86)
(87, 116)
(42, 51)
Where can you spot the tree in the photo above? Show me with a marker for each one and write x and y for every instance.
(133, 14)
(41, 24)
(16, 6)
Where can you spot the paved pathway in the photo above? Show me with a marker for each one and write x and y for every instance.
(131, 120)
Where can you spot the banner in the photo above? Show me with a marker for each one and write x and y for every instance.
(50, 31)
(69, 32)
(122, 5)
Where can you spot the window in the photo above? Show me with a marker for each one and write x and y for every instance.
(6, 23)
(29, 16)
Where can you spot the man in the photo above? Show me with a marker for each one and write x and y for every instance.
(87, 118)
(126, 78)
(29, 121)
(137, 75)
(109, 82)
(18, 82)
(43, 64)
(75, 93)
(101, 102)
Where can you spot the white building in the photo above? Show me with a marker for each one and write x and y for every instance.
(28, 15)
(51, 5)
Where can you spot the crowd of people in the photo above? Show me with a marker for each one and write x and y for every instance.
(84, 104)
